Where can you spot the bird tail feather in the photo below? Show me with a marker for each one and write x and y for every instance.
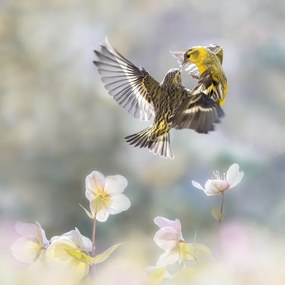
(157, 144)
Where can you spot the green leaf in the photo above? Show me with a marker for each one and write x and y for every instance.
(106, 254)
(89, 214)
(199, 249)
(193, 251)
(87, 258)
(156, 276)
(216, 213)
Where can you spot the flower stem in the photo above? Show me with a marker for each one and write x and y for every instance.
(94, 235)
(93, 266)
(222, 205)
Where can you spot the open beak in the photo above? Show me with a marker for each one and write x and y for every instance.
(184, 62)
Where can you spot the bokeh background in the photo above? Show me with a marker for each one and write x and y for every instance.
(57, 122)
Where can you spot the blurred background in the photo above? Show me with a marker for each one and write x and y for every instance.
(58, 123)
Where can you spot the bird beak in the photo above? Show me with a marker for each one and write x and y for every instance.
(184, 61)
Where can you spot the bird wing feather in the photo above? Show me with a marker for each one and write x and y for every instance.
(198, 110)
(130, 86)
(210, 87)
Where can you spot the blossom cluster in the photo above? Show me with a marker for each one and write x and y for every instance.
(73, 249)
(76, 252)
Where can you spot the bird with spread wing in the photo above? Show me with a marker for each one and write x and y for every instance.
(168, 103)
(204, 63)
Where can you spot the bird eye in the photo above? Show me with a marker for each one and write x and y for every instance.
(188, 55)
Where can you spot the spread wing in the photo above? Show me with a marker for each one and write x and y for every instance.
(131, 87)
(199, 110)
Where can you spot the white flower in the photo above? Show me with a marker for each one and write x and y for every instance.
(222, 183)
(105, 194)
(72, 249)
(32, 245)
(81, 242)
(169, 238)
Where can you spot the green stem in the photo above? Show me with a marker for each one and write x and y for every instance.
(222, 205)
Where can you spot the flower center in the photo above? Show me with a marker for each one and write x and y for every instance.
(104, 196)
(102, 199)
(218, 176)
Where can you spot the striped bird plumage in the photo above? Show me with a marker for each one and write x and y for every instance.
(169, 103)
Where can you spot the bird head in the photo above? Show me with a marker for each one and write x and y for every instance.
(173, 76)
(195, 55)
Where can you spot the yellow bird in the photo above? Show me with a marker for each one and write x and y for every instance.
(205, 64)
(169, 103)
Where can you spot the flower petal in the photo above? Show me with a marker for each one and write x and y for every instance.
(72, 235)
(119, 203)
(96, 205)
(64, 250)
(81, 268)
(115, 184)
(167, 238)
(216, 187)
(76, 238)
(94, 181)
(102, 215)
(167, 258)
(42, 235)
(234, 176)
(86, 243)
(197, 185)
(82, 242)
(26, 249)
(162, 222)
(26, 229)
(34, 231)
(60, 248)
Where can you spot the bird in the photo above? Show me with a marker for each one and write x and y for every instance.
(191, 68)
(138, 93)
(205, 65)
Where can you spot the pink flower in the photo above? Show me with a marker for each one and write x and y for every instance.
(169, 233)
(222, 183)
(169, 238)
(31, 245)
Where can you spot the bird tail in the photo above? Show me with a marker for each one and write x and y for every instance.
(156, 143)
